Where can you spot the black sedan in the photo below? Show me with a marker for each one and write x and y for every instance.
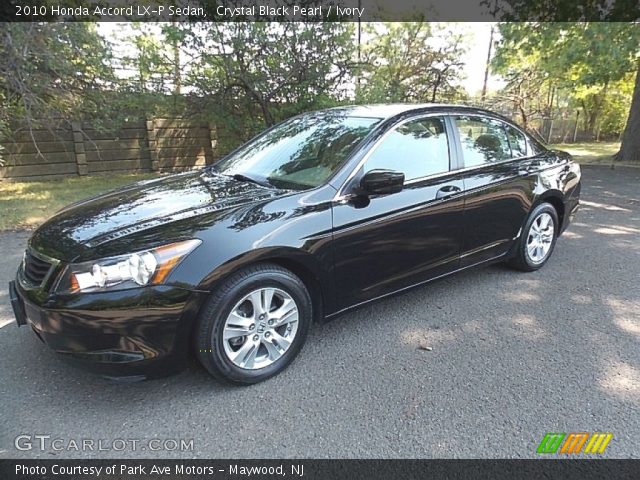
(319, 214)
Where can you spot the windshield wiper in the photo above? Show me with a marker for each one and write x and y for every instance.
(245, 178)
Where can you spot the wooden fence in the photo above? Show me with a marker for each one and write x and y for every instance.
(154, 145)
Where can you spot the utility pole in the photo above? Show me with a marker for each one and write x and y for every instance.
(359, 32)
(486, 70)
(359, 51)
(575, 129)
(175, 45)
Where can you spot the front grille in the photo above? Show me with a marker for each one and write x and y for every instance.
(35, 269)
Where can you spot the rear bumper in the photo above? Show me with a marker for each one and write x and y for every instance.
(131, 334)
(572, 213)
(571, 207)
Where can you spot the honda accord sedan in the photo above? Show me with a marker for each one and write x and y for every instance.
(319, 214)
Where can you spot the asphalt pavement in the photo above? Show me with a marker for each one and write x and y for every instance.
(481, 364)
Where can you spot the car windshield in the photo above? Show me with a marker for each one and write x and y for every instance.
(300, 153)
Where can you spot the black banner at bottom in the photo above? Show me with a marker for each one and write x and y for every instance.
(121, 469)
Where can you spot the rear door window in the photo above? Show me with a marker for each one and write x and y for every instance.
(483, 140)
(518, 142)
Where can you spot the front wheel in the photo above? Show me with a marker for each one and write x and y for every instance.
(537, 240)
(254, 325)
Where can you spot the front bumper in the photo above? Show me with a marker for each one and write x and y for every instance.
(137, 333)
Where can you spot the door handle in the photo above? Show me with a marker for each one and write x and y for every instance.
(447, 191)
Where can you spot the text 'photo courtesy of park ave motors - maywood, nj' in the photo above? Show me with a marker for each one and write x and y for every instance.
(295, 12)
(133, 469)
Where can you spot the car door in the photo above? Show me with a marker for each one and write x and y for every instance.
(497, 189)
(383, 243)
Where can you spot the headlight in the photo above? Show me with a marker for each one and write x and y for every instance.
(149, 267)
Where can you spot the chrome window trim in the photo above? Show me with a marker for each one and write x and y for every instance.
(430, 177)
(485, 165)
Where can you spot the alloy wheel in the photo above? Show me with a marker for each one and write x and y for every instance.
(260, 328)
(540, 238)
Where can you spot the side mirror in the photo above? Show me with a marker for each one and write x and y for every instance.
(381, 182)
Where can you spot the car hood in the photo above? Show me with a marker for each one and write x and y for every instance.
(141, 206)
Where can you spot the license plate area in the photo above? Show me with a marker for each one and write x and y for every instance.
(17, 305)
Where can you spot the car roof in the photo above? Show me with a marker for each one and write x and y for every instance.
(390, 110)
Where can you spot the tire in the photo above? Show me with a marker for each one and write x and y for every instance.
(235, 307)
(522, 258)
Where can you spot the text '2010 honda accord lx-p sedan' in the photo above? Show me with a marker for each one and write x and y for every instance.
(318, 214)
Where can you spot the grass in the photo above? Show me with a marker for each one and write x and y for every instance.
(593, 153)
(25, 205)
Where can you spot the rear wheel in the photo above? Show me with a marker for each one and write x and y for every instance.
(538, 239)
(254, 325)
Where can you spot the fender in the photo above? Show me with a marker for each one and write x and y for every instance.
(317, 276)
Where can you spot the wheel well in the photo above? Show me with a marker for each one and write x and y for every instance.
(308, 278)
(558, 205)
(310, 281)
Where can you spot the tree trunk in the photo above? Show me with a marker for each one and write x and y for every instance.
(487, 68)
(630, 148)
(523, 115)
(436, 85)
(266, 114)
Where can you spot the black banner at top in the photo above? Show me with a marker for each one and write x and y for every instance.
(318, 11)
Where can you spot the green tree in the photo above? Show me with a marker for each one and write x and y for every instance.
(274, 69)
(616, 108)
(526, 81)
(410, 62)
(585, 57)
(156, 56)
(588, 60)
(51, 73)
